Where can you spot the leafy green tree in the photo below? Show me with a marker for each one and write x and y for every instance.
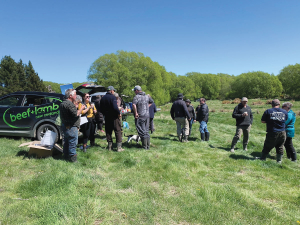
(9, 78)
(226, 82)
(34, 83)
(183, 85)
(124, 70)
(256, 85)
(207, 85)
(290, 79)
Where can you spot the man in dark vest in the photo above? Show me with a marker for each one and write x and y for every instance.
(109, 108)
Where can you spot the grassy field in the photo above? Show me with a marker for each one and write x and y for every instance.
(172, 183)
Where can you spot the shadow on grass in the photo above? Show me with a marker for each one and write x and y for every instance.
(237, 157)
(222, 148)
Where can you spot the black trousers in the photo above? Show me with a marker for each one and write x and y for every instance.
(88, 131)
(113, 125)
(289, 147)
(274, 139)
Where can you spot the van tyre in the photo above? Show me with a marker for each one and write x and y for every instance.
(42, 130)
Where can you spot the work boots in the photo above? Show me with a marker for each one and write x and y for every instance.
(186, 137)
(180, 137)
(148, 143)
(279, 158)
(73, 158)
(262, 157)
(119, 147)
(294, 157)
(109, 147)
(202, 136)
(206, 136)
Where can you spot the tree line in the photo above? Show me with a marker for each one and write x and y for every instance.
(18, 76)
(124, 70)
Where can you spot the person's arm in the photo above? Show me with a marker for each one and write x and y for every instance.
(136, 115)
(80, 109)
(251, 117)
(194, 115)
(172, 112)
(235, 113)
(264, 117)
(187, 114)
(155, 110)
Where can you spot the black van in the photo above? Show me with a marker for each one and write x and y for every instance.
(29, 114)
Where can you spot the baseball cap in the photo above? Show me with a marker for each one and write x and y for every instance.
(188, 101)
(111, 88)
(137, 87)
(275, 102)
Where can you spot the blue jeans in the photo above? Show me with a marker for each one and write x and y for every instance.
(190, 126)
(70, 140)
(203, 127)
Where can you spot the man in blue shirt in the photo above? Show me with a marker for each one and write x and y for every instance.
(275, 119)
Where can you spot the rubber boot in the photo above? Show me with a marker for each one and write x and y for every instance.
(186, 137)
(206, 136)
(294, 157)
(73, 158)
(84, 148)
(109, 146)
(262, 157)
(279, 158)
(180, 137)
(119, 147)
(148, 143)
(144, 143)
(202, 136)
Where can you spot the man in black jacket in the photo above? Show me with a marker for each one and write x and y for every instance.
(109, 108)
(180, 114)
(202, 117)
(244, 118)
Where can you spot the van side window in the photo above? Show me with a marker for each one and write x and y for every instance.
(10, 101)
(33, 100)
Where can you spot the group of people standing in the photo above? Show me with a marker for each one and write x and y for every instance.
(279, 121)
(184, 115)
(108, 107)
(280, 128)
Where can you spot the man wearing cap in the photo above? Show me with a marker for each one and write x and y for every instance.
(180, 114)
(109, 108)
(192, 114)
(244, 119)
(275, 119)
(140, 105)
(202, 117)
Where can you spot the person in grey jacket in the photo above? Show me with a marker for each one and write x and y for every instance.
(202, 117)
(140, 104)
(244, 119)
(180, 114)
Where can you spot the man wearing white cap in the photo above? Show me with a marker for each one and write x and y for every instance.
(244, 119)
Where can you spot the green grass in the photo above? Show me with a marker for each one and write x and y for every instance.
(173, 183)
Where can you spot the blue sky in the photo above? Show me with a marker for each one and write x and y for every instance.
(63, 38)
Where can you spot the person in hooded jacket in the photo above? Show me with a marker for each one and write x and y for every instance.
(290, 132)
(140, 105)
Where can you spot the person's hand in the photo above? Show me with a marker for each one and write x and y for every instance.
(136, 116)
(83, 107)
(194, 121)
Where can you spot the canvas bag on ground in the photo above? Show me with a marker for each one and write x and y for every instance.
(49, 138)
